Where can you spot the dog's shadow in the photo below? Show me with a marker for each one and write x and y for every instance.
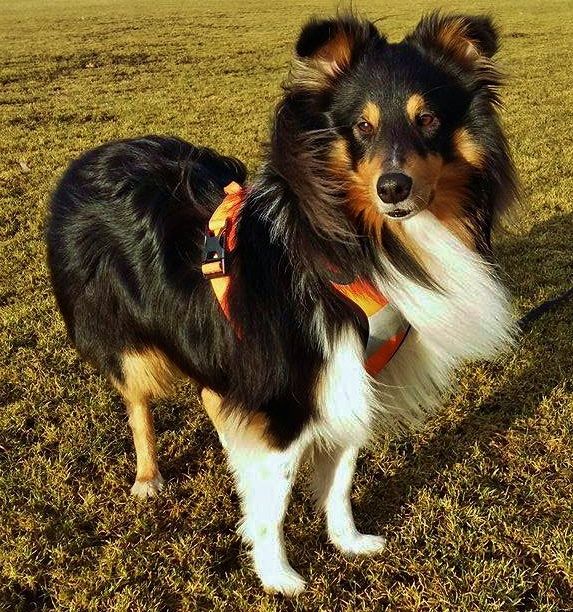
(548, 266)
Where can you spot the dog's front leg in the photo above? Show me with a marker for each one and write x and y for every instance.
(264, 478)
(334, 470)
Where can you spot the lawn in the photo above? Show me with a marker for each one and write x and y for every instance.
(477, 507)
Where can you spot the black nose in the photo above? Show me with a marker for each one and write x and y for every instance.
(394, 187)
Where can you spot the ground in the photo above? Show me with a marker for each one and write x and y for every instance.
(477, 507)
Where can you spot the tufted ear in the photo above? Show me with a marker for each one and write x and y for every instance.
(326, 48)
(468, 40)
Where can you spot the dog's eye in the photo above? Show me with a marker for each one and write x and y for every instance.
(365, 127)
(427, 120)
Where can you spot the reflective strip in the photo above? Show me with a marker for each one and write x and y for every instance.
(379, 360)
(387, 328)
(383, 326)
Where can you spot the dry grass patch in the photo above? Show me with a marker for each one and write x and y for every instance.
(477, 507)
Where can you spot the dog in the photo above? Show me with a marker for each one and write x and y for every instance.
(386, 171)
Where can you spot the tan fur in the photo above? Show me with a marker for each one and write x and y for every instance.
(448, 184)
(141, 423)
(424, 170)
(212, 403)
(468, 149)
(309, 75)
(147, 374)
(339, 160)
(414, 106)
(315, 73)
(453, 37)
(362, 193)
(450, 192)
(452, 185)
(359, 184)
(336, 53)
(372, 114)
(233, 427)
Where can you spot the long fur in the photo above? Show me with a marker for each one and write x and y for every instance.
(124, 248)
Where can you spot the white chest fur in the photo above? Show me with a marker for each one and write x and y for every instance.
(344, 394)
(468, 318)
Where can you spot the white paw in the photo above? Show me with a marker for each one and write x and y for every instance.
(282, 580)
(358, 544)
(147, 488)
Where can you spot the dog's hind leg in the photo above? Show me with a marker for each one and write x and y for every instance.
(334, 470)
(147, 374)
(264, 478)
(148, 479)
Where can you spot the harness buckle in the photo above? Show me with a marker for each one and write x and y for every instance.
(213, 260)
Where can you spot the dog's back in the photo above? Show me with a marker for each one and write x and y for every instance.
(124, 240)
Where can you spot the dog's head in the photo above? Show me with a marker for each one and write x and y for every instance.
(402, 127)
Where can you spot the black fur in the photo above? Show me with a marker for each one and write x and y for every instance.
(124, 244)
(127, 222)
(317, 33)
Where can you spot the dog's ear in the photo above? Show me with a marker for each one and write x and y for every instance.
(326, 48)
(468, 40)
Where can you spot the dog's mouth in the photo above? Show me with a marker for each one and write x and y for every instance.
(408, 208)
(401, 213)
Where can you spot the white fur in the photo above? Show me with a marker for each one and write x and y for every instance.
(334, 470)
(264, 477)
(147, 488)
(264, 480)
(345, 411)
(344, 398)
(469, 318)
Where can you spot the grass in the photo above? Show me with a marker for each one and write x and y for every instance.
(477, 507)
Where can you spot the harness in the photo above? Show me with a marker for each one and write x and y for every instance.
(386, 327)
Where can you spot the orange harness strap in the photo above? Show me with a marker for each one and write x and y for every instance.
(387, 328)
(220, 239)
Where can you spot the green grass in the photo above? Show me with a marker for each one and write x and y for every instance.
(477, 508)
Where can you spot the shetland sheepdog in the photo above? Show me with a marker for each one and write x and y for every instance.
(387, 166)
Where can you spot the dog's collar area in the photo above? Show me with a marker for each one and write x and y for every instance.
(387, 328)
